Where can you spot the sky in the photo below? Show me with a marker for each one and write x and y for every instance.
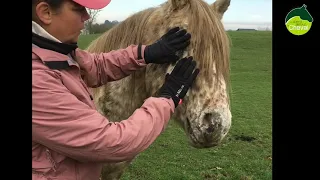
(255, 14)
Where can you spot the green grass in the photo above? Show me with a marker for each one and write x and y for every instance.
(84, 40)
(247, 150)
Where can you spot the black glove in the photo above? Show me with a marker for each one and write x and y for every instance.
(164, 50)
(177, 83)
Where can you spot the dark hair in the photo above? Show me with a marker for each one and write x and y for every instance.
(54, 5)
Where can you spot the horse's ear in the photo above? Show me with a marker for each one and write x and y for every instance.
(221, 6)
(178, 4)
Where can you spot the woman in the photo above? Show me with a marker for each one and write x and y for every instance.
(70, 139)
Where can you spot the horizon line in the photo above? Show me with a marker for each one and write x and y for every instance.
(224, 22)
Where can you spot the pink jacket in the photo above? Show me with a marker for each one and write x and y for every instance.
(70, 139)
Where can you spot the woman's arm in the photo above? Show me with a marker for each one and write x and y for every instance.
(70, 127)
(100, 68)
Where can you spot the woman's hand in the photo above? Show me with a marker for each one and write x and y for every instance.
(178, 82)
(164, 50)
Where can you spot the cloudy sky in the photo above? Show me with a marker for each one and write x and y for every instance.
(241, 13)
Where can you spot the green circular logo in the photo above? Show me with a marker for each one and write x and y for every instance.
(299, 21)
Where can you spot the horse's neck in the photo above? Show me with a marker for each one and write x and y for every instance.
(119, 99)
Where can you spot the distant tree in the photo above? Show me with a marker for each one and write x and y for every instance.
(93, 16)
(110, 24)
(101, 28)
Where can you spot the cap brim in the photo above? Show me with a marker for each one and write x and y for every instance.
(93, 4)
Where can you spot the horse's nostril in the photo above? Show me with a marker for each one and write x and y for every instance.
(208, 135)
(210, 128)
(207, 119)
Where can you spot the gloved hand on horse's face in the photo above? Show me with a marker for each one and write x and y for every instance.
(178, 82)
(164, 50)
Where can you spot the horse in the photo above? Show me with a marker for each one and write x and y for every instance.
(205, 114)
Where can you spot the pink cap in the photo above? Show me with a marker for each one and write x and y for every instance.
(93, 4)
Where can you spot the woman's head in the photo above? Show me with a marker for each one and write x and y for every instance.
(64, 19)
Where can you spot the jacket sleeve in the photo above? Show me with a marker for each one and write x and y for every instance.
(100, 68)
(66, 125)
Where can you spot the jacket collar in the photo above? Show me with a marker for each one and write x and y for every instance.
(43, 39)
(37, 29)
(45, 43)
(50, 49)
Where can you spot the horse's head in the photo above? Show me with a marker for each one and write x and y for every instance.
(205, 112)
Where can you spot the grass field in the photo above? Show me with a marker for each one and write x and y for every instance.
(247, 150)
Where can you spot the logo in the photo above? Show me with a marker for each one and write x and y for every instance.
(179, 91)
(298, 21)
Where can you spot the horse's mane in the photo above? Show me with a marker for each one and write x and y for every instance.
(209, 39)
(129, 31)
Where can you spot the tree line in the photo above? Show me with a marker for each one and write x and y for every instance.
(95, 28)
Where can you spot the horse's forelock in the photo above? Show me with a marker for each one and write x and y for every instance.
(210, 43)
